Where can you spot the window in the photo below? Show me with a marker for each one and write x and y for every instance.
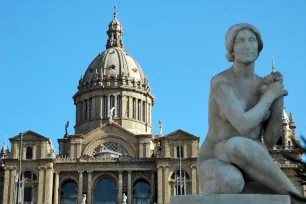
(86, 110)
(118, 106)
(134, 108)
(178, 153)
(112, 103)
(105, 107)
(90, 107)
(144, 111)
(29, 153)
(139, 110)
(181, 178)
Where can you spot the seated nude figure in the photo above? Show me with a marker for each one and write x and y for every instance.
(232, 152)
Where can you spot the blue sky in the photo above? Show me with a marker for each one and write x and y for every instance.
(45, 46)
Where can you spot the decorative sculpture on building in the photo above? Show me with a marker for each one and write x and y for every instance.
(111, 114)
(124, 198)
(160, 125)
(84, 199)
(232, 158)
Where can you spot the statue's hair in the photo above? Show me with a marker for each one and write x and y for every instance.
(231, 35)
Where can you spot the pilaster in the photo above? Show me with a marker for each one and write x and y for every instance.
(49, 185)
(166, 185)
(89, 187)
(6, 186)
(41, 184)
(56, 187)
(160, 184)
(152, 195)
(185, 150)
(120, 187)
(129, 185)
(12, 182)
(194, 180)
(80, 187)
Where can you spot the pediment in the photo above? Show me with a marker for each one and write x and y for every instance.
(30, 136)
(180, 134)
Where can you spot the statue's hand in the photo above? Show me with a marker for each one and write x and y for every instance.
(276, 89)
(273, 77)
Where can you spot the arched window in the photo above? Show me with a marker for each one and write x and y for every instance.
(105, 107)
(141, 191)
(180, 151)
(139, 110)
(30, 186)
(105, 191)
(118, 106)
(112, 103)
(134, 108)
(180, 180)
(144, 111)
(69, 193)
(90, 108)
(29, 153)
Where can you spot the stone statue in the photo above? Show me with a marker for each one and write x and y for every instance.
(232, 159)
(124, 198)
(66, 128)
(160, 128)
(111, 113)
(84, 199)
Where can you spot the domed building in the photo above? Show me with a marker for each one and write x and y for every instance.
(113, 156)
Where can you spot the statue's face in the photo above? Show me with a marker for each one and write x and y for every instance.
(245, 47)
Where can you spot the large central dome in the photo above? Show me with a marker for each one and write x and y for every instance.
(115, 62)
(114, 89)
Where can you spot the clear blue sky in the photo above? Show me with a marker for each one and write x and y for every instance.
(45, 46)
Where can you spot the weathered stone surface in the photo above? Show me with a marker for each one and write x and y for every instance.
(231, 199)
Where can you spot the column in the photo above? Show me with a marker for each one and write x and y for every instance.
(49, 185)
(77, 113)
(56, 182)
(116, 102)
(129, 186)
(41, 184)
(42, 151)
(120, 187)
(80, 187)
(148, 152)
(152, 196)
(194, 180)
(100, 106)
(12, 182)
(89, 188)
(34, 151)
(185, 150)
(6, 186)
(160, 185)
(15, 150)
(141, 150)
(194, 149)
(166, 185)
(131, 106)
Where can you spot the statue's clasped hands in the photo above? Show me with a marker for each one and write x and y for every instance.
(273, 83)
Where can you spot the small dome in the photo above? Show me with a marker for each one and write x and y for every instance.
(114, 62)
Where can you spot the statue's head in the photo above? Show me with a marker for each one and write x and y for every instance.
(243, 43)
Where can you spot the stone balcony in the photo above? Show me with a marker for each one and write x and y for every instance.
(102, 160)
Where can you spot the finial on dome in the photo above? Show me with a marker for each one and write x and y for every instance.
(273, 67)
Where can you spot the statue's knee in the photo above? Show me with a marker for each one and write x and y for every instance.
(238, 148)
(219, 177)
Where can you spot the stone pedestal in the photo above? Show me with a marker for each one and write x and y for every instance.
(231, 199)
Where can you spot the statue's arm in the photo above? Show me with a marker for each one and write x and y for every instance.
(243, 121)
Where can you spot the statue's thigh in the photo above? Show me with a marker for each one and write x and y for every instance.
(216, 176)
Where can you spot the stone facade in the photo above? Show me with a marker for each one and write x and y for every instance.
(113, 149)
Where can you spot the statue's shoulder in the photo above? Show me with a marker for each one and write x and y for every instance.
(221, 78)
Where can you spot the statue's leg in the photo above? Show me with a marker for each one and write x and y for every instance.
(216, 177)
(255, 161)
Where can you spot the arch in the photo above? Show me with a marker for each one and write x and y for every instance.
(105, 186)
(177, 169)
(96, 143)
(141, 191)
(104, 175)
(141, 178)
(69, 191)
(65, 178)
(29, 153)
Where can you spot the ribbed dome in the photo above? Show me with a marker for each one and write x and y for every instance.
(114, 62)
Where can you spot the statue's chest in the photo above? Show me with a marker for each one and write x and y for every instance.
(248, 96)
